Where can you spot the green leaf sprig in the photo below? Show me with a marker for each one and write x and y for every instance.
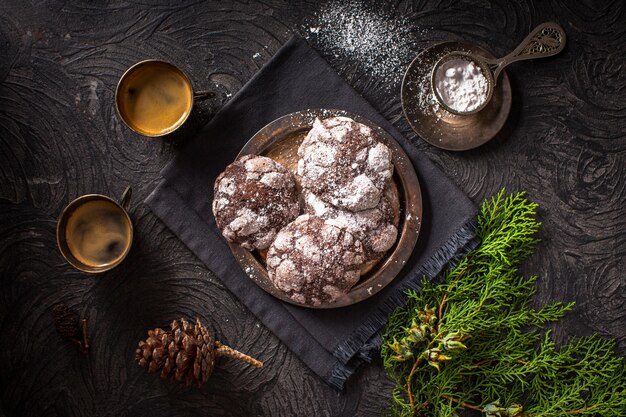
(474, 341)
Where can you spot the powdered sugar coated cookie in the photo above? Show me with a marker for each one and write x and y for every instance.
(253, 199)
(344, 163)
(376, 228)
(314, 262)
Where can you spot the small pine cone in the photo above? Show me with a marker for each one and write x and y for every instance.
(153, 350)
(205, 361)
(185, 353)
(69, 326)
(66, 321)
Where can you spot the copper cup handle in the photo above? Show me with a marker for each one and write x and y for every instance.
(203, 95)
(125, 200)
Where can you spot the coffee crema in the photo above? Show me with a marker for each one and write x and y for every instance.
(155, 98)
(98, 233)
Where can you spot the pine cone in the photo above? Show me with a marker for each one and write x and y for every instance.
(185, 353)
(66, 321)
(69, 326)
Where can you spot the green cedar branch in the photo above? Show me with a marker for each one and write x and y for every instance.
(474, 340)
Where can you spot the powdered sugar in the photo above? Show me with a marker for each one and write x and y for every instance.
(378, 159)
(227, 186)
(361, 221)
(273, 179)
(374, 227)
(376, 40)
(257, 166)
(425, 98)
(246, 223)
(220, 203)
(461, 84)
(361, 193)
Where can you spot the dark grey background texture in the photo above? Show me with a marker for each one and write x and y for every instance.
(60, 137)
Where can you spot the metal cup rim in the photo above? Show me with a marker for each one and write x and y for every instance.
(133, 68)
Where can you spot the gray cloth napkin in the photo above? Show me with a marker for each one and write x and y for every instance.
(333, 343)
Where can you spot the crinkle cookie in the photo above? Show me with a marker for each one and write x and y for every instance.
(344, 163)
(253, 199)
(376, 228)
(314, 262)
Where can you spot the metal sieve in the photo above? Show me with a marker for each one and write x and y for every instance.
(545, 40)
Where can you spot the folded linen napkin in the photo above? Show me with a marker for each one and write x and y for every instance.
(334, 342)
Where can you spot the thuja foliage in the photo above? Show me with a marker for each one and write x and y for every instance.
(474, 342)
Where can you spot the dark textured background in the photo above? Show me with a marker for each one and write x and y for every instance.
(565, 143)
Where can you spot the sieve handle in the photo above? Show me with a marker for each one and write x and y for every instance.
(545, 40)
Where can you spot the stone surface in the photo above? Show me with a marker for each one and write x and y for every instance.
(60, 137)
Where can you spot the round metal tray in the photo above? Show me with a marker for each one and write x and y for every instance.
(280, 140)
(439, 127)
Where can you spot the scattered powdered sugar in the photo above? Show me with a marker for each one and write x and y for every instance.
(377, 41)
(461, 84)
(425, 98)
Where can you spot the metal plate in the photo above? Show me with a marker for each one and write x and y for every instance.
(280, 140)
(440, 127)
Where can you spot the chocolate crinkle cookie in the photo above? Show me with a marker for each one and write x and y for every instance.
(344, 163)
(314, 262)
(376, 228)
(253, 199)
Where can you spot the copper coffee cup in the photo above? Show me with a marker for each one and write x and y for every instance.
(95, 233)
(154, 98)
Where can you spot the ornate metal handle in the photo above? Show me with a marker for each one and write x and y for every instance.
(547, 39)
